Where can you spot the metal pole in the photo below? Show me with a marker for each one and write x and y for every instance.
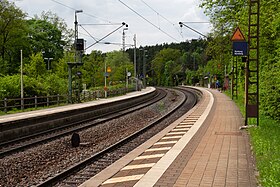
(124, 29)
(144, 68)
(135, 73)
(69, 83)
(123, 40)
(105, 81)
(75, 36)
(126, 78)
(21, 81)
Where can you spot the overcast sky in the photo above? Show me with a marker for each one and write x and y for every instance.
(153, 22)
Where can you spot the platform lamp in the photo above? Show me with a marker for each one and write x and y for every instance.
(72, 64)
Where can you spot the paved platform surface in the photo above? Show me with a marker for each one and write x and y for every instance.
(35, 113)
(203, 148)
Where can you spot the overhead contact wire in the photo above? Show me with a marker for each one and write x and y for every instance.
(148, 21)
(162, 17)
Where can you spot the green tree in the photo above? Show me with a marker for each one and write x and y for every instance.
(158, 64)
(37, 66)
(45, 37)
(225, 16)
(93, 69)
(12, 36)
(119, 62)
(10, 87)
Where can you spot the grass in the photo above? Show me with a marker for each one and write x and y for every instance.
(14, 110)
(266, 146)
(265, 140)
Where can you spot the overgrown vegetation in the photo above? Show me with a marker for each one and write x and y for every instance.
(265, 141)
(226, 15)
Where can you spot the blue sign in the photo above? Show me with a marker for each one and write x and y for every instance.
(240, 48)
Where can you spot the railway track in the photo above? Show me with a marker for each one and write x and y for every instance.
(26, 142)
(80, 172)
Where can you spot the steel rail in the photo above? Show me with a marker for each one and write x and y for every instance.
(77, 167)
(74, 127)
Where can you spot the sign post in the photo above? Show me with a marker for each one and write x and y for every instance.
(239, 48)
(239, 44)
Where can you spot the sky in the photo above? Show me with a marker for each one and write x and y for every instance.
(152, 21)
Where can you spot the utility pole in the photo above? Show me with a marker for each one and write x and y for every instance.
(123, 38)
(144, 68)
(21, 81)
(135, 71)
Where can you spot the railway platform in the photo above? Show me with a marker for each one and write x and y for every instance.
(49, 111)
(205, 147)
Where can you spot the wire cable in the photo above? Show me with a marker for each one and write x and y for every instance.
(157, 13)
(148, 21)
(181, 23)
(105, 36)
(90, 15)
(173, 24)
(87, 32)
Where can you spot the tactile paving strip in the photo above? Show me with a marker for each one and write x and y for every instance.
(142, 164)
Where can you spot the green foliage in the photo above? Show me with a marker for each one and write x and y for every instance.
(119, 62)
(37, 66)
(10, 87)
(48, 34)
(165, 66)
(265, 140)
(12, 36)
(93, 69)
(226, 15)
(45, 37)
(53, 84)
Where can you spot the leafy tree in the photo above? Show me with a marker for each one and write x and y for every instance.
(45, 37)
(92, 69)
(226, 15)
(159, 67)
(37, 67)
(10, 87)
(119, 62)
(12, 36)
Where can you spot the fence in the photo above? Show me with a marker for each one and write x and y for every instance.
(46, 101)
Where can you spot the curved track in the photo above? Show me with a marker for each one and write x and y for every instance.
(20, 144)
(78, 173)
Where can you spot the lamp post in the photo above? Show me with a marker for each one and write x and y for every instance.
(76, 33)
(49, 59)
(71, 64)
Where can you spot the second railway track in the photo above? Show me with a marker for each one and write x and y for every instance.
(25, 142)
(56, 163)
(82, 171)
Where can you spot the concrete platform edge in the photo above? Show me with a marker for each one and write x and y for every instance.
(118, 165)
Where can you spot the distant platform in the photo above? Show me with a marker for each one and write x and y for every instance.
(48, 111)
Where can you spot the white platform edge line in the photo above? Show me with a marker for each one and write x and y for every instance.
(108, 172)
(153, 175)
